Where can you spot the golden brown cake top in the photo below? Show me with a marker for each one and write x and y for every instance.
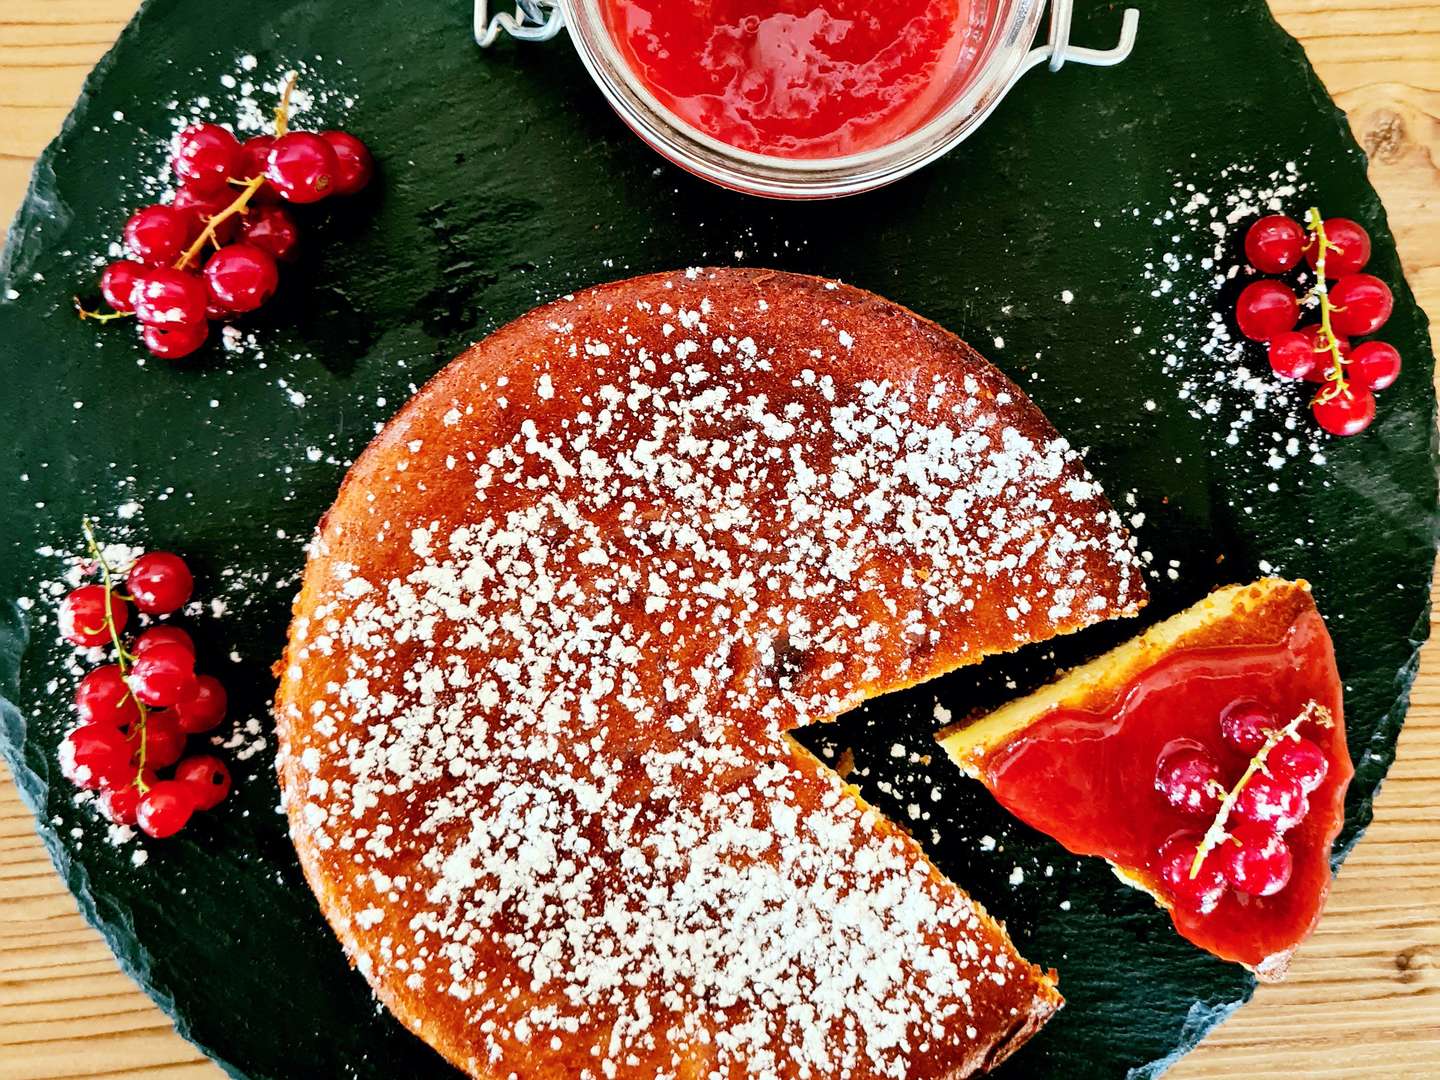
(555, 629)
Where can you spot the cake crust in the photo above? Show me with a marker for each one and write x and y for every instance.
(553, 633)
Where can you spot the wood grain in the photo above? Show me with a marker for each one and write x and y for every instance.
(1363, 998)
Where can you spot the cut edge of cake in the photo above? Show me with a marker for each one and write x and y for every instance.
(1046, 1001)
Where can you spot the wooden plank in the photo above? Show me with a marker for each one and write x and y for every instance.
(1363, 999)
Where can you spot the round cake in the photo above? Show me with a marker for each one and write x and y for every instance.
(554, 633)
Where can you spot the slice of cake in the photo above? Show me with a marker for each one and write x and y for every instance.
(554, 632)
(1206, 760)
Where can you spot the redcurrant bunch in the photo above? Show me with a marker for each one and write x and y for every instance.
(1352, 304)
(231, 197)
(137, 711)
(1244, 848)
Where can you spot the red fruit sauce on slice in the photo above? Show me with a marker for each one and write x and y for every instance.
(1087, 778)
(800, 78)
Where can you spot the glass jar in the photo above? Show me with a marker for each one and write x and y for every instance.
(1007, 52)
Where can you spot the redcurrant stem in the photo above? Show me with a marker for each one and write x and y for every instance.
(1216, 834)
(100, 316)
(1328, 342)
(248, 187)
(282, 111)
(208, 234)
(123, 659)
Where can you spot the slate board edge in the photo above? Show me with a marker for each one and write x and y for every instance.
(1395, 716)
(131, 953)
(1355, 829)
(1405, 678)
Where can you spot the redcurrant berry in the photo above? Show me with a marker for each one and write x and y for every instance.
(1299, 760)
(1274, 244)
(1189, 778)
(255, 155)
(160, 582)
(356, 164)
(164, 675)
(158, 234)
(1375, 364)
(164, 741)
(203, 708)
(167, 635)
(1266, 308)
(164, 809)
(1344, 412)
(176, 340)
(103, 698)
(208, 777)
(202, 208)
(166, 296)
(302, 166)
(94, 756)
(1292, 355)
(1246, 724)
(1362, 304)
(1200, 894)
(117, 283)
(206, 156)
(1255, 860)
(1272, 800)
(1324, 360)
(82, 616)
(120, 802)
(1349, 250)
(272, 229)
(241, 277)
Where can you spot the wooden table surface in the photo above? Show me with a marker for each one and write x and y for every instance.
(1363, 998)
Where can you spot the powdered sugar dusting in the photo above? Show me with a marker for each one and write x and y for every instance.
(534, 720)
(243, 101)
(1221, 377)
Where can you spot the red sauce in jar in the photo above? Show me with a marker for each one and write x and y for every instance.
(1087, 778)
(800, 78)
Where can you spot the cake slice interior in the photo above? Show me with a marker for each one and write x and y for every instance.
(1205, 760)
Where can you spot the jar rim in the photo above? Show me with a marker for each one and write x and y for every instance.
(1011, 33)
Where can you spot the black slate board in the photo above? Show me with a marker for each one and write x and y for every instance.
(505, 180)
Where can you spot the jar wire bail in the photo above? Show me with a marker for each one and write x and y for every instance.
(534, 20)
(1058, 50)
